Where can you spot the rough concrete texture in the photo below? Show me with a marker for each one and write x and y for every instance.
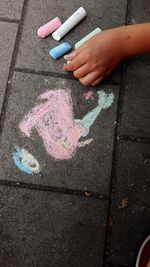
(48, 229)
(11, 9)
(90, 168)
(136, 108)
(7, 39)
(92, 210)
(140, 11)
(131, 224)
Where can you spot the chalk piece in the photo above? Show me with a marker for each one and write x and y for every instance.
(87, 37)
(69, 24)
(60, 50)
(49, 27)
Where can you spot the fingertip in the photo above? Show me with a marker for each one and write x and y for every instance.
(66, 67)
(69, 66)
(66, 57)
(70, 56)
(97, 81)
(82, 80)
(75, 63)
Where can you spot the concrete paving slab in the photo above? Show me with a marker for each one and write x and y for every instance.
(131, 225)
(47, 229)
(140, 11)
(7, 39)
(34, 52)
(136, 108)
(89, 168)
(11, 9)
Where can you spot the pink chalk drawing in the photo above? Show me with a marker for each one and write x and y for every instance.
(54, 121)
(88, 95)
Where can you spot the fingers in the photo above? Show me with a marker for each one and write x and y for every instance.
(76, 63)
(71, 56)
(77, 60)
(81, 72)
(97, 81)
(89, 78)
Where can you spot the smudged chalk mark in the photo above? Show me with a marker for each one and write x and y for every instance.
(25, 161)
(88, 95)
(145, 158)
(55, 123)
(84, 143)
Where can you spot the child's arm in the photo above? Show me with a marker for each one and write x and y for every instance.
(148, 264)
(99, 56)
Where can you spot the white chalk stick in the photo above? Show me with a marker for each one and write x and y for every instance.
(69, 24)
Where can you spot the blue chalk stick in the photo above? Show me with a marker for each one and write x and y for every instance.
(60, 50)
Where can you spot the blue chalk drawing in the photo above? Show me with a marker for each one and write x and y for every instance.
(25, 161)
(28, 164)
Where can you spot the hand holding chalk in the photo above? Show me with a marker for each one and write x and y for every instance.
(81, 42)
(87, 37)
(95, 59)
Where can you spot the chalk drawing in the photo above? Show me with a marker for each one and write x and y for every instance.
(88, 95)
(25, 161)
(55, 123)
(104, 101)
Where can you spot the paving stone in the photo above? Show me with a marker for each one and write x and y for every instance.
(34, 52)
(140, 11)
(136, 107)
(131, 225)
(7, 39)
(11, 9)
(89, 168)
(47, 229)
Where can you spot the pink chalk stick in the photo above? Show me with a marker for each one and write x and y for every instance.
(49, 27)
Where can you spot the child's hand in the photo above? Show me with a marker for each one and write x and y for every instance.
(96, 58)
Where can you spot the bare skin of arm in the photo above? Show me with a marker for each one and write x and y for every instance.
(148, 264)
(98, 57)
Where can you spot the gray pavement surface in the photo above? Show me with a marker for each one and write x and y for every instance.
(91, 172)
(7, 39)
(49, 229)
(92, 210)
(135, 117)
(131, 225)
(140, 11)
(11, 9)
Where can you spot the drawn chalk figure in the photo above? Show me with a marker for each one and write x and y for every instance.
(55, 123)
(104, 102)
(25, 161)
